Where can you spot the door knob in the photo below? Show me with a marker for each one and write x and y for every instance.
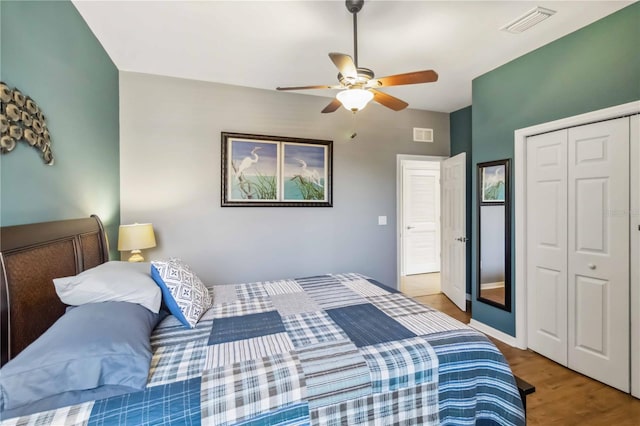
(591, 266)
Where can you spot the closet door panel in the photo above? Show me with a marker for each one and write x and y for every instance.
(592, 314)
(547, 245)
(598, 251)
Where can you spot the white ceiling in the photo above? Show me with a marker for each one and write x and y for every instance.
(265, 44)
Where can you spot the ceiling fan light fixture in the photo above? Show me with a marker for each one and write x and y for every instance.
(354, 99)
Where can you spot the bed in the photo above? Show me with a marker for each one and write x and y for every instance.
(334, 349)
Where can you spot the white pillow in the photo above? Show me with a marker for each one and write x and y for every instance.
(112, 281)
(184, 294)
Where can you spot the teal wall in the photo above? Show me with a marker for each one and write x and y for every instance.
(460, 123)
(593, 68)
(50, 54)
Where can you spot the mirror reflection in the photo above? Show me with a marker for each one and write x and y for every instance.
(494, 257)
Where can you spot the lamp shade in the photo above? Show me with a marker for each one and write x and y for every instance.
(136, 237)
(354, 99)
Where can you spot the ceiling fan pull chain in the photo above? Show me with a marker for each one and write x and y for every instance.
(354, 133)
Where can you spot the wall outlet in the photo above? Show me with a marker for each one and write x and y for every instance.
(382, 220)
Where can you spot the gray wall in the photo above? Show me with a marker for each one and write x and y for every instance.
(170, 176)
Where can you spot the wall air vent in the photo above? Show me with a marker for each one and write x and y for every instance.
(422, 135)
(528, 20)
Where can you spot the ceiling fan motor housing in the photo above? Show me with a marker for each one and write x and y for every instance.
(364, 75)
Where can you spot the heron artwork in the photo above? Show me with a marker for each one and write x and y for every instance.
(311, 175)
(253, 185)
(247, 162)
(308, 181)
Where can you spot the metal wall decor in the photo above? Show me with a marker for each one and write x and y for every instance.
(22, 120)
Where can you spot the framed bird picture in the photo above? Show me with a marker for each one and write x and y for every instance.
(276, 171)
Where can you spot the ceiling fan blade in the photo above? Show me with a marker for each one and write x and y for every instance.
(388, 100)
(345, 65)
(428, 76)
(334, 105)
(308, 87)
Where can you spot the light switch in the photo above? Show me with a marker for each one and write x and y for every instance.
(382, 220)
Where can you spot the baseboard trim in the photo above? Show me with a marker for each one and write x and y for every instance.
(496, 334)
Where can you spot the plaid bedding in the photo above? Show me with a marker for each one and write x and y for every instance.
(328, 350)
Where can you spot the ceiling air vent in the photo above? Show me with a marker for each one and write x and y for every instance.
(528, 20)
(422, 135)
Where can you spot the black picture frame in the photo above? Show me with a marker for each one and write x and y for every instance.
(276, 171)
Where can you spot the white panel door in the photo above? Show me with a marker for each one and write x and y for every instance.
(634, 226)
(421, 220)
(598, 251)
(453, 274)
(547, 244)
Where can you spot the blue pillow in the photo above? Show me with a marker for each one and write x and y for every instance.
(99, 348)
(182, 291)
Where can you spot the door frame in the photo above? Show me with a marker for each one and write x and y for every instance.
(634, 135)
(520, 188)
(400, 159)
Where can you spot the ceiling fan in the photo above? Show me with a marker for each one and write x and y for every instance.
(358, 84)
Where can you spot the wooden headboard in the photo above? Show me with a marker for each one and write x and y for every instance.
(30, 257)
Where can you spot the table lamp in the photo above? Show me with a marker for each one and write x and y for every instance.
(134, 238)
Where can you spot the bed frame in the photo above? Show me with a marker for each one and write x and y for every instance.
(30, 257)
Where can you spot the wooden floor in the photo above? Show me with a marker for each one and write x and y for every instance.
(562, 397)
(420, 284)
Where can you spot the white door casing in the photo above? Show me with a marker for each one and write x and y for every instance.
(522, 218)
(634, 231)
(547, 244)
(421, 217)
(454, 229)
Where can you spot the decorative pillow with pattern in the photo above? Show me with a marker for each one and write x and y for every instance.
(184, 294)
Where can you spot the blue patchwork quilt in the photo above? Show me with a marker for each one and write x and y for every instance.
(326, 350)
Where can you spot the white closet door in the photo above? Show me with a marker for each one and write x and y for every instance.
(547, 245)
(598, 251)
